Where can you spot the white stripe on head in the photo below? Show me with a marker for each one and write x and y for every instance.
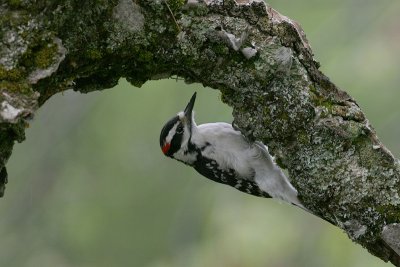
(172, 132)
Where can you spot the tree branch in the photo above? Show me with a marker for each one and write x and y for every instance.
(259, 59)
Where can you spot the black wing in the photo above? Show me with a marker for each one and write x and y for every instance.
(209, 168)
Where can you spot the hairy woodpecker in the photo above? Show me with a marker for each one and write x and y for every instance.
(224, 155)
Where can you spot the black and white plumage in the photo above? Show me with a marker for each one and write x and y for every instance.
(224, 155)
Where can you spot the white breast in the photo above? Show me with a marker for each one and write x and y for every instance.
(251, 160)
(226, 146)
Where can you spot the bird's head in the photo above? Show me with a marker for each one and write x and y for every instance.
(176, 133)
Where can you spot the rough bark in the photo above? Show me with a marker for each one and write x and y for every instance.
(259, 59)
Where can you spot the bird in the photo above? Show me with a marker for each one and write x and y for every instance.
(224, 155)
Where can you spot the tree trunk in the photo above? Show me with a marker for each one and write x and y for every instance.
(259, 59)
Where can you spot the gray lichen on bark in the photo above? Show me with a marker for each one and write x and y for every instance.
(259, 59)
(390, 234)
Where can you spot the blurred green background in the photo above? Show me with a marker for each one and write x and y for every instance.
(90, 186)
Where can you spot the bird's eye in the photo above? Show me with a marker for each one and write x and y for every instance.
(179, 129)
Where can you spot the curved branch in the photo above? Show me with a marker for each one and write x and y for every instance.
(259, 59)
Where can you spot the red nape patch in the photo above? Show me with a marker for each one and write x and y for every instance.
(165, 148)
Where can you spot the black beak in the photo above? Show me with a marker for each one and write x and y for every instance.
(189, 109)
